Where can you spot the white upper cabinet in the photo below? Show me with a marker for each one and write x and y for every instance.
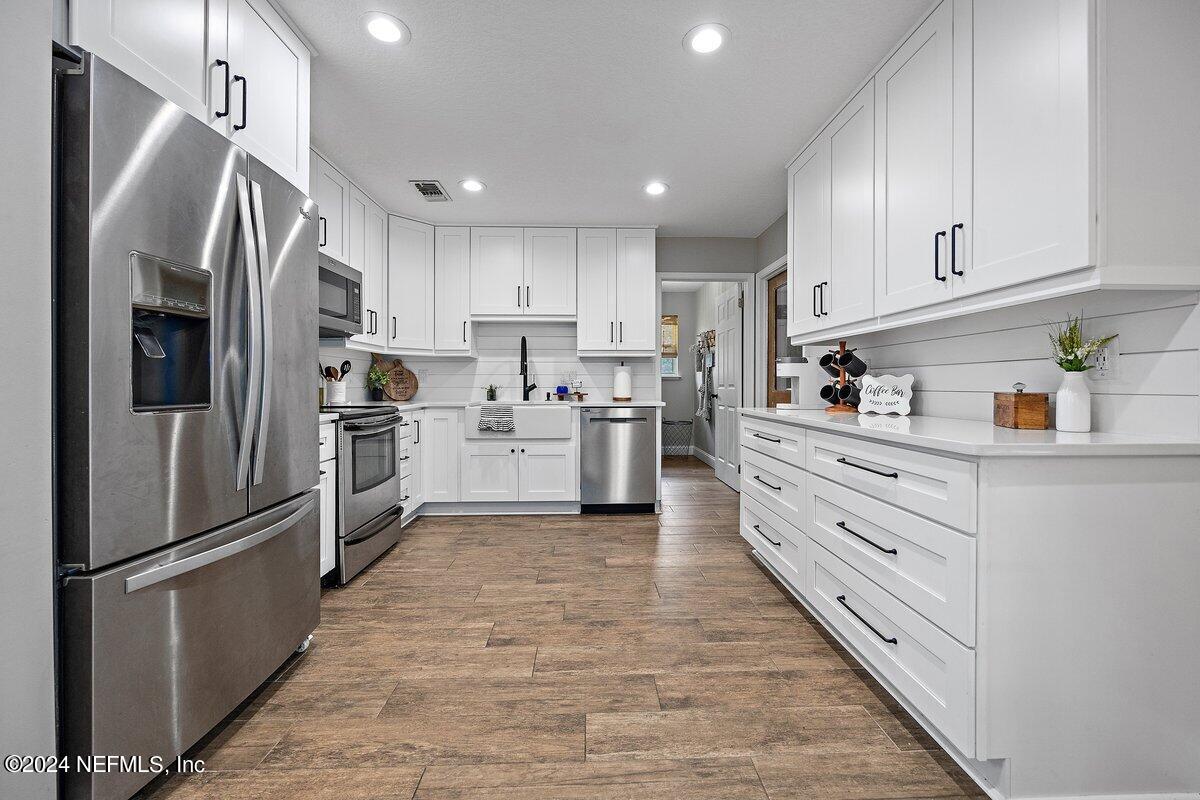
(914, 168)
(234, 64)
(452, 290)
(549, 271)
(497, 271)
(411, 277)
(637, 324)
(331, 190)
(1028, 213)
(850, 296)
(808, 238)
(178, 49)
(366, 237)
(596, 320)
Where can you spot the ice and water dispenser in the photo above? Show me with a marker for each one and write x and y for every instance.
(170, 323)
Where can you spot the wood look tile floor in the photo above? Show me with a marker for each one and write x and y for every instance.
(571, 657)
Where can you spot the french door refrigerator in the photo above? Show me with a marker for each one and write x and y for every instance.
(186, 437)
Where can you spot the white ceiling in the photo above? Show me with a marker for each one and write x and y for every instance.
(566, 108)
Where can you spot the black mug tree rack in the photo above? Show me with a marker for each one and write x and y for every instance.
(843, 389)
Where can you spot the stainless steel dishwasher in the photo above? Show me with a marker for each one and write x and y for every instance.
(617, 460)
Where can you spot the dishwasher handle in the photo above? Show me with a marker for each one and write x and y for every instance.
(620, 420)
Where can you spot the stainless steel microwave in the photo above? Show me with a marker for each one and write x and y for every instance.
(339, 298)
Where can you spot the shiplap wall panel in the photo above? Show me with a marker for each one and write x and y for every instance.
(959, 363)
(552, 354)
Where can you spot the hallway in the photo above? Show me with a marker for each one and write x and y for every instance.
(571, 657)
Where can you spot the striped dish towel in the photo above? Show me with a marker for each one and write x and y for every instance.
(496, 417)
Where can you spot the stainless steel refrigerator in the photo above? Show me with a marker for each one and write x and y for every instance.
(186, 302)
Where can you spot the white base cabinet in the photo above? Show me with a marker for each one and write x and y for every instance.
(442, 438)
(328, 485)
(547, 472)
(1029, 602)
(519, 471)
(489, 472)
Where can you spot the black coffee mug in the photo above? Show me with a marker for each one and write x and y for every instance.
(829, 393)
(828, 363)
(855, 367)
(848, 394)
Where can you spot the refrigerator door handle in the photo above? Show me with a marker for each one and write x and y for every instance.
(254, 367)
(267, 339)
(163, 572)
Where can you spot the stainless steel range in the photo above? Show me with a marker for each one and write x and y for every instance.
(370, 506)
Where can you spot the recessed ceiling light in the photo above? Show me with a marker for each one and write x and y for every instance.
(387, 28)
(655, 188)
(471, 185)
(706, 38)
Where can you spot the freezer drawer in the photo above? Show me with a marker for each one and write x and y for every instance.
(156, 652)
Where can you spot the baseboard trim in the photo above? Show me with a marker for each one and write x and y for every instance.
(461, 509)
(705, 457)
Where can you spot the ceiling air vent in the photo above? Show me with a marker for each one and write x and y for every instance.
(432, 191)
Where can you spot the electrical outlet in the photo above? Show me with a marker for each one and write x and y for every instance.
(1104, 362)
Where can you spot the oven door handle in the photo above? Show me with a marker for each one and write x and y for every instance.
(368, 427)
(375, 527)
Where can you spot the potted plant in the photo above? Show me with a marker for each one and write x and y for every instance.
(376, 380)
(489, 391)
(1068, 349)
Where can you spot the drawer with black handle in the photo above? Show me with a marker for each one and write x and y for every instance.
(780, 543)
(776, 484)
(785, 442)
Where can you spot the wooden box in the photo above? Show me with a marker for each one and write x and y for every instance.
(1024, 410)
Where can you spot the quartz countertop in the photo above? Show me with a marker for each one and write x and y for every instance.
(418, 405)
(976, 437)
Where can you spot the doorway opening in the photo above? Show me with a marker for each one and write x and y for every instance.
(702, 341)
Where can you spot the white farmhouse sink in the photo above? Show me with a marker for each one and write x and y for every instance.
(536, 420)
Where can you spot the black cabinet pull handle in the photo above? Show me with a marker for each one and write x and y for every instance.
(769, 486)
(937, 254)
(245, 91)
(868, 469)
(522, 449)
(225, 65)
(768, 438)
(816, 288)
(958, 226)
(842, 599)
(621, 331)
(405, 458)
(893, 550)
(610, 333)
(518, 297)
(527, 297)
(323, 472)
(768, 538)
(402, 499)
(464, 331)
(393, 327)
(324, 226)
(513, 450)
(822, 286)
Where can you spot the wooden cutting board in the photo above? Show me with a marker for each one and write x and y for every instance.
(402, 383)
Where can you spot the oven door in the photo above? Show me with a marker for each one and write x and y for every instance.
(369, 471)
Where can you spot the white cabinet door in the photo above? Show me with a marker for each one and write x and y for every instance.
(359, 249)
(328, 486)
(331, 190)
(416, 450)
(850, 296)
(914, 137)
(376, 271)
(550, 271)
(1029, 128)
(442, 440)
(269, 114)
(808, 238)
(497, 271)
(173, 48)
(410, 275)
(489, 472)
(452, 290)
(547, 473)
(637, 325)
(596, 320)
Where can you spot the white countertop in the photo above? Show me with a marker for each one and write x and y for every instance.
(976, 437)
(416, 406)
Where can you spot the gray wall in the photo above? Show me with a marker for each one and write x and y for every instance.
(705, 254)
(26, 618)
(771, 244)
(680, 395)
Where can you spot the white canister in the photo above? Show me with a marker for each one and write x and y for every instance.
(335, 393)
(1073, 404)
(622, 383)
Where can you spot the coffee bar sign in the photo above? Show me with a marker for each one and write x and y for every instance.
(886, 394)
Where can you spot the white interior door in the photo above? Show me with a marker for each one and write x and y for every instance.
(727, 382)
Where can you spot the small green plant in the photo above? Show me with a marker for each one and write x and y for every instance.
(377, 378)
(490, 391)
(1069, 349)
